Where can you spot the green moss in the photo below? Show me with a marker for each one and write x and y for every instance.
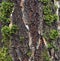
(50, 45)
(47, 10)
(5, 31)
(4, 56)
(29, 53)
(49, 19)
(44, 1)
(6, 8)
(5, 11)
(14, 29)
(53, 34)
(4, 20)
(46, 56)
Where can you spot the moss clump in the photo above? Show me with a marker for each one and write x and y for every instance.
(47, 10)
(7, 31)
(49, 19)
(5, 11)
(14, 29)
(53, 34)
(4, 56)
(44, 1)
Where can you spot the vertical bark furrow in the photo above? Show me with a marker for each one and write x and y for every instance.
(20, 45)
(32, 14)
(33, 21)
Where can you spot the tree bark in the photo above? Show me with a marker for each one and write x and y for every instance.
(18, 48)
(30, 13)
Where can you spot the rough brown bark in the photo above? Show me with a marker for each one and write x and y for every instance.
(34, 22)
(18, 49)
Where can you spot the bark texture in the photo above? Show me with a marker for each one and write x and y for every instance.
(18, 45)
(28, 44)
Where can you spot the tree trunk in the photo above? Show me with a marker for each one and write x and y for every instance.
(28, 16)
